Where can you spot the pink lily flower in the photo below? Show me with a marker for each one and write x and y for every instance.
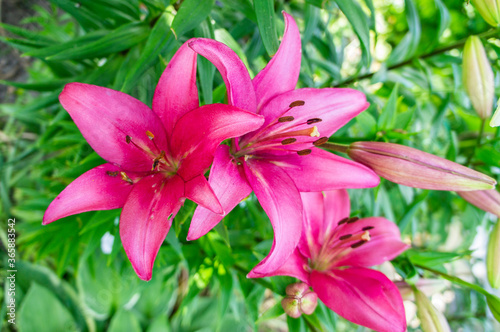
(333, 255)
(156, 158)
(282, 157)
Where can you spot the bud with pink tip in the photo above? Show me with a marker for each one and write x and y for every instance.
(418, 169)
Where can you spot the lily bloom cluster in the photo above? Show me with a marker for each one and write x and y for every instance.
(333, 255)
(156, 158)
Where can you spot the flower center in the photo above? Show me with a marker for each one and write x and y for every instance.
(160, 161)
(339, 243)
(283, 133)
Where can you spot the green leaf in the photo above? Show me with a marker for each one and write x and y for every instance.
(359, 22)
(388, 114)
(409, 45)
(76, 43)
(41, 311)
(273, 312)
(87, 19)
(264, 10)
(494, 305)
(190, 15)
(433, 258)
(160, 41)
(43, 86)
(124, 320)
(115, 41)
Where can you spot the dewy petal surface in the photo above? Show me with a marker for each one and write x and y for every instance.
(385, 242)
(198, 133)
(146, 219)
(279, 197)
(363, 296)
(284, 67)
(198, 190)
(176, 92)
(240, 91)
(100, 188)
(228, 184)
(334, 106)
(106, 117)
(321, 170)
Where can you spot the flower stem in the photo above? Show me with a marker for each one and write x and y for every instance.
(336, 147)
(460, 43)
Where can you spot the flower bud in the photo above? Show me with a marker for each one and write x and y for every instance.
(493, 257)
(486, 200)
(489, 10)
(478, 77)
(431, 320)
(299, 300)
(418, 169)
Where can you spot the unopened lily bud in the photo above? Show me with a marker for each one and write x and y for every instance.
(431, 320)
(493, 257)
(418, 169)
(478, 77)
(489, 10)
(299, 300)
(486, 200)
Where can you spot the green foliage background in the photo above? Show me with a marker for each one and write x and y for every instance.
(404, 55)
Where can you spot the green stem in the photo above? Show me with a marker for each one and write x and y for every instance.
(460, 43)
(336, 147)
(455, 280)
(478, 143)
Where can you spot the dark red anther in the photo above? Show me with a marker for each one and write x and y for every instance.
(314, 120)
(286, 119)
(352, 220)
(288, 141)
(367, 228)
(128, 139)
(345, 237)
(304, 152)
(297, 103)
(112, 173)
(358, 244)
(320, 141)
(343, 221)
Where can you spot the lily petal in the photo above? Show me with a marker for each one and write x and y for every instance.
(293, 267)
(198, 133)
(322, 170)
(279, 197)
(384, 244)
(107, 117)
(337, 207)
(230, 187)
(282, 72)
(240, 91)
(198, 190)
(335, 107)
(176, 92)
(312, 232)
(146, 219)
(362, 296)
(100, 188)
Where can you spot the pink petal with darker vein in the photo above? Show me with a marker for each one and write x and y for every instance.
(176, 92)
(198, 190)
(100, 188)
(146, 219)
(322, 170)
(292, 267)
(362, 296)
(228, 184)
(240, 91)
(282, 72)
(198, 133)
(111, 120)
(279, 197)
